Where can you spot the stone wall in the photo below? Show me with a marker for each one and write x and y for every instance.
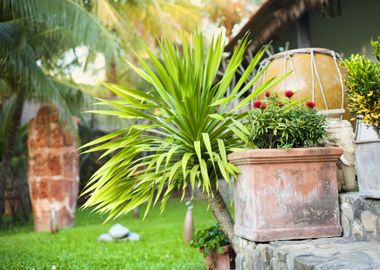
(360, 217)
(53, 171)
(324, 253)
(357, 249)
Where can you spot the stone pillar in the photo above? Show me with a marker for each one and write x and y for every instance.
(341, 134)
(53, 171)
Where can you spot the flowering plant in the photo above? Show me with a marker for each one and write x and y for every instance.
(363, 84)
(284, 123)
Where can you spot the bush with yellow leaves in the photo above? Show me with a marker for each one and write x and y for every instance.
(363, 84)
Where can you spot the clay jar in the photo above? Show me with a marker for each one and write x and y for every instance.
(53, 171)
(284, 194)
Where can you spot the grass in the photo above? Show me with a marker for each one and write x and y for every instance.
(160, 247)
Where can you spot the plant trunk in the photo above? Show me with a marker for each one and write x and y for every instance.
(9, 147)
(223, 216)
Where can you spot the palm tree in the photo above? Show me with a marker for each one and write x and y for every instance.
(34, 34)
(139, 24)
(189, 130)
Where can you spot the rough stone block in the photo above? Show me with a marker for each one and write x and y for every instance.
(38, 164)
(360, 216)
(43, 189)
(54, 165)
(328, 253)
(368, 220)
(68, 138)
(68, 163)
(56, 137)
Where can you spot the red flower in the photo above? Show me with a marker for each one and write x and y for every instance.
(310, 104)
(267, 94)
(263, 106)
(288, 93)
(257, 104)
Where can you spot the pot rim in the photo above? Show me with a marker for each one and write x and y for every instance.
(295, 155)
(303, 51)
(367, 141)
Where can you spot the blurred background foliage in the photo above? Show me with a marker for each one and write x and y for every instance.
(54, 52)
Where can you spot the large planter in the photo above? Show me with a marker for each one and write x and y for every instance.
(368, 167)
(221, 261)
(53, 171)
(286, 194)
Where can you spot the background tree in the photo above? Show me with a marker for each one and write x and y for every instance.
(141, 23)
(33, 35)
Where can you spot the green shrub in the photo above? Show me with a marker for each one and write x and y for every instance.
(210, 240)
(363, 84)
(283, 123)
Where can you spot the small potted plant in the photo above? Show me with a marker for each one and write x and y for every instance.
(215, 246)
(363, 83)
(287, 188)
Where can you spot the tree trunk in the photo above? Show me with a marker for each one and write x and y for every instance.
(9, 147)
(223, 216)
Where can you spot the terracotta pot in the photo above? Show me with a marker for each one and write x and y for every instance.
(53, 171)
(286, 193)
(218, 261)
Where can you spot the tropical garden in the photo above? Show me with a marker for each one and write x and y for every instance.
(44, 45)
(124, 126)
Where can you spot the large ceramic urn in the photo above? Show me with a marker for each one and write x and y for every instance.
(53, 171)
(314, 74)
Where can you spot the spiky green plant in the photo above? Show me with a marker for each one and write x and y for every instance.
(189, 129)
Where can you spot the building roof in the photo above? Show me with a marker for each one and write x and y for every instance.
(272, 17)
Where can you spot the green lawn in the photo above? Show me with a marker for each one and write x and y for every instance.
(160, 247)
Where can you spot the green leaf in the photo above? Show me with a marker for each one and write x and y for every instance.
(193, 174)
(205, 176)
(170, 154)
(206, 140)
(222, 150)
(197, 148)
(216, 116)
(185, 159)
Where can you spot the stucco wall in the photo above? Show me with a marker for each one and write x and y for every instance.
(348, 33)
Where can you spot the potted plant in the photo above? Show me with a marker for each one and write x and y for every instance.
(189, 122)
(216, 248)
(363, 83)
(287, 188)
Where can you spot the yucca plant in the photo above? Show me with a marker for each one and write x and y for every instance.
(186, 132)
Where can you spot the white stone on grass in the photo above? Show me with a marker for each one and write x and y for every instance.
(118, 231)
(133, 236)
(105, 237)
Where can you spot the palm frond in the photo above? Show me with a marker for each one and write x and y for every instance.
(20, 66)
(65, 21)
(34, 34)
